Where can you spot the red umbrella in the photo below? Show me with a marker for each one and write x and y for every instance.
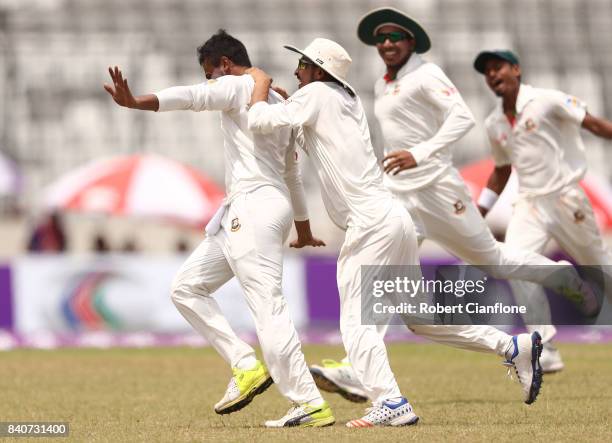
(137, 185)
(596, 188)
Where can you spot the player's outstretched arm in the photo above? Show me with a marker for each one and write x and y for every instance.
(305, 237)
(598, 126)
(495, 186)
(120, 91)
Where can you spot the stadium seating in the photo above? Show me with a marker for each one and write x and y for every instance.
(54, 55)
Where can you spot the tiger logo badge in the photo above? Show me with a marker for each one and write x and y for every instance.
(235, 224)
(530, 125)
(579, 216)
(459, 207)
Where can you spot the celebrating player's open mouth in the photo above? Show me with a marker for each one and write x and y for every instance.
(501, 76)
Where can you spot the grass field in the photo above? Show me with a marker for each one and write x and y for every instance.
(168, 395)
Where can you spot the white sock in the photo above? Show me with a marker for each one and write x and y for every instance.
(317, 402)
(247, 363)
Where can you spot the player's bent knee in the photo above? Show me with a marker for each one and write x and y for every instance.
(183, 289)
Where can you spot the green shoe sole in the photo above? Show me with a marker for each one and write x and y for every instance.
(320, 423)
(329, 421)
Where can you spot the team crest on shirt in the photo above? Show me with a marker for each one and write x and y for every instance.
(235, 224)
(579, 216)
(572, 101)
(396, 89)
(530, 125)
(448, 91)
(459, 207)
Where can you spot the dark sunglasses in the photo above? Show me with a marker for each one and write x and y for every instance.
(302, 64)
(394, 37)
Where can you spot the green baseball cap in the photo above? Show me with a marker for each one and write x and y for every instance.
(501, 54)
(375, 19)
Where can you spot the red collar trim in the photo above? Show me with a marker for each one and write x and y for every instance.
(388, 78)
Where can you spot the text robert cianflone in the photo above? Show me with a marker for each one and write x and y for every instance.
(468, 308)
(412, 287)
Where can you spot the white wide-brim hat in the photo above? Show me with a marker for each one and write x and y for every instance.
(329, 56)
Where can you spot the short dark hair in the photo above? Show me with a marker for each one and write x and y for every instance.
(222, 44)
(329, 78)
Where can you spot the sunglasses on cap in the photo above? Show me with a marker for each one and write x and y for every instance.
(394, 36)
(304, 63)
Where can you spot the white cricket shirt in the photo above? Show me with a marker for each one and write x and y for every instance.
(337, 139)
(421, 111)
(544, 143)
(251, 160)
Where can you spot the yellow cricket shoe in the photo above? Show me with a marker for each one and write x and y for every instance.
(305, 416)
(243, 387)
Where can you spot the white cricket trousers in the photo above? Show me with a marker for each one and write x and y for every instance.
(443, 211)
(566, 217)
(391, 242)
(249, 245)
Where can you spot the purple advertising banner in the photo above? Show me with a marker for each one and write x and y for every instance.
(323, 299)
(6, 298)
(322, 290)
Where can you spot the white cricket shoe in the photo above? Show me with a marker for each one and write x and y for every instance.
(550, 360)
(340, 378)
(524, 357)
(304, 416)
(387, 413)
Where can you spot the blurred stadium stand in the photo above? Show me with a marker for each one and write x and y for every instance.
(54, 54)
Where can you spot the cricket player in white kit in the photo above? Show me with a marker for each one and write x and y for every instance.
(379, 231)
(422, 115)
(537, 131)
(245, 238)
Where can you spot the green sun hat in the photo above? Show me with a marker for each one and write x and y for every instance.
(502, 54)
(375, 19)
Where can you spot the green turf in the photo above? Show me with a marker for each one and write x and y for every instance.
(168, 395)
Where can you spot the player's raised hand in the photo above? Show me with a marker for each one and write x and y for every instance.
(259, 75)
(119, 90)
(398, 161)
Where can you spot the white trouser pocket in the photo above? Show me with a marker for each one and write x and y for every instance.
(214, 224)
